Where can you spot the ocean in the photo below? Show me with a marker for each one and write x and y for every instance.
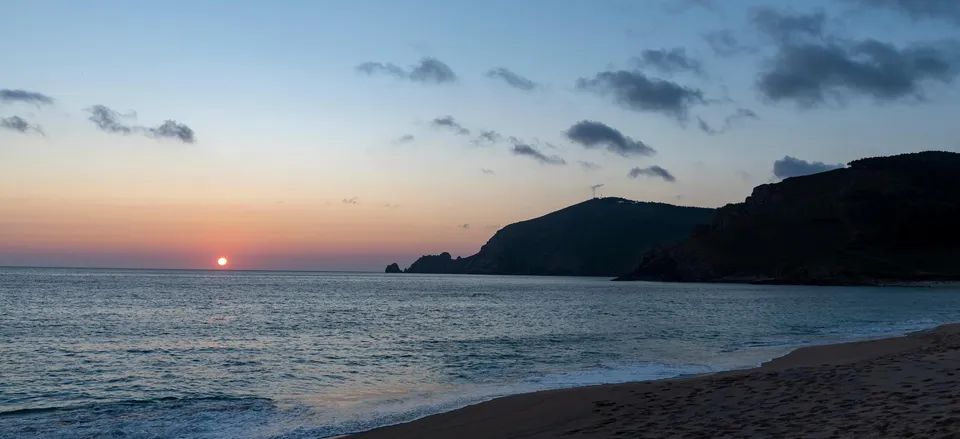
(224, 354)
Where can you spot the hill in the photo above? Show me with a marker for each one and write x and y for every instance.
(598, 237)
(883, 219)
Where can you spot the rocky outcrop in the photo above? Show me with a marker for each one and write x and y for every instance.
(599, 237)
(393, 268)
(880, 220)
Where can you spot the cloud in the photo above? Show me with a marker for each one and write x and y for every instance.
(110, 121)
(653, 171)
(19, 124)
(633, 90)
(488, 137)
(725, 44)
(813, 74)
(406, 138)
(390, 206)
(512, 79)
(464, 226)
(793, 167)
(588, 166)
(29, 97)
(428, 71)
(448, 122)
(918, 9)
(172, 130)
(670, 62)
(488, 171)
(728, 122)
(522, 149)
(353, 200)
(811, 68)
(786, 28)
(591, 134)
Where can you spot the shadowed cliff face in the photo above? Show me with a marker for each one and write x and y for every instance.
(881, 219)
(599, 237)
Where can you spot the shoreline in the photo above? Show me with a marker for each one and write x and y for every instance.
(794, 395)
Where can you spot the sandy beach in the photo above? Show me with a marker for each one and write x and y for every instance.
(897, 388)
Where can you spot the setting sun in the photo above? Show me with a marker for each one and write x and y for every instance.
(222, 262)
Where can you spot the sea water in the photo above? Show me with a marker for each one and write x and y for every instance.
(201, 354)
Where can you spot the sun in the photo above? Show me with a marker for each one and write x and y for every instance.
(222, 262)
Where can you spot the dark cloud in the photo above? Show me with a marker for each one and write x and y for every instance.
(725, 44)
(918, 9)
(513, 79)
(635, 91)
(428, 70)
(670, 62)
(522, 149)
(111, 121)
(591, 134)
(448, 122)
(588, 166)
(353, 200)
(705, 127)
(794, 167)
(653, 171)
(488, 171)
(29, 97)
(406, 138)
(487, 137)
(813, 74)
(170, 129)
(108, 120)
(19, 124)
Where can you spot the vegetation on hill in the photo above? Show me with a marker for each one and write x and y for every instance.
(598, 237)
(882, 219)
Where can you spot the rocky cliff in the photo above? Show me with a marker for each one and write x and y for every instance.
(882, 219)
(599, 237)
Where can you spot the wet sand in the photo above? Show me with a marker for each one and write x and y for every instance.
(890, 388)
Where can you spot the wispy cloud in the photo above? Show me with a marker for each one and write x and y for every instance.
(728, 122)
(670, 61)
(487, 137)
(793, 167)
(512, 79)
(111, 121)
(592, 134)
(588, 166)
(488, 171)
(428, 71)
(353, 200)
(448, 122)
(24, 96)
(19, 124)
(522, 149)
(725, 44)
(652, 171)
(464, 226)
(918, 9)
(406, 138)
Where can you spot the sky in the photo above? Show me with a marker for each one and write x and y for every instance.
(345, 135)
